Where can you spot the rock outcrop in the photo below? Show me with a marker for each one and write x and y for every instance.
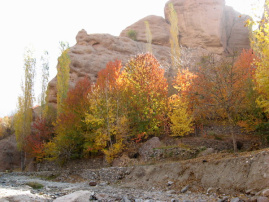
(205, 26)
(209, 24)
(237, 35)
(93, 51)
(200, 23)
(158, 27)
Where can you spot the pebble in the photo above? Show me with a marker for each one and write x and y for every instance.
(185, 189)
(262, 199)
(235, 199)
(92, 183)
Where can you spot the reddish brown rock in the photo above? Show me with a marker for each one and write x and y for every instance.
(200, 22)
(210, 24)
(158, 27)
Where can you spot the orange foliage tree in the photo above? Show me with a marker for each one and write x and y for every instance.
(42, 132)
(145, 90)
(180, 106)
(105, 117)
(222, 88)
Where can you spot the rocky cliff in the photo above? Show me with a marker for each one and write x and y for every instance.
(209, 24)
(205, 26)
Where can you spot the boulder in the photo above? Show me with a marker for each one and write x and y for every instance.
(206, 152)
(78, 196)
(158, 26)
(93, 51)
(146, 150)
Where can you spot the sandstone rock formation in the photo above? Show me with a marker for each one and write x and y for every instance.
(205, 26)
(237, 35)
(158, 27)
(209, 24)
(93, 51)
(200, 23)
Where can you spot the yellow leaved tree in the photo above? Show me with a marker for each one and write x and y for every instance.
(260, 43)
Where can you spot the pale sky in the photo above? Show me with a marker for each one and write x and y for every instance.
(41, 24)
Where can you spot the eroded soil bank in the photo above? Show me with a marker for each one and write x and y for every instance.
(214, 177)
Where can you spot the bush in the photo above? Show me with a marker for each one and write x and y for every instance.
(35, 185)
(132, 34)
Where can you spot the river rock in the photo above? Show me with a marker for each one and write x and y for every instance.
(78, 196)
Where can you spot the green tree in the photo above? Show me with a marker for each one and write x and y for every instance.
(63, 70)
(23, 118)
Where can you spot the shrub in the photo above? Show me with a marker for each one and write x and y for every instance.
(132, 34)
(35, 185)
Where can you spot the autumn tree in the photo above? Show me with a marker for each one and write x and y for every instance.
(220, 89)
(260, 43)
(70, 127)
(23, 117)
(6, 126)
(62, 75)
(42, 132)
(105, 119)
(145, 90)
(180, 109)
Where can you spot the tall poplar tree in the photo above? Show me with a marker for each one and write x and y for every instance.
(45, 79)
(149, 37)
(62, 76)
(23, 117)
(260, 43)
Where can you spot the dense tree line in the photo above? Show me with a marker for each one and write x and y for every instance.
(132, 102)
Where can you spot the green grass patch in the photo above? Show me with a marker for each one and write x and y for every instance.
(35, 185)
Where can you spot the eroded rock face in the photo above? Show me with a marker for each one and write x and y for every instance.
(210, 24)
(237, 35)
(93, 51)
(200, 23)
(205, 26)
(158, 26)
